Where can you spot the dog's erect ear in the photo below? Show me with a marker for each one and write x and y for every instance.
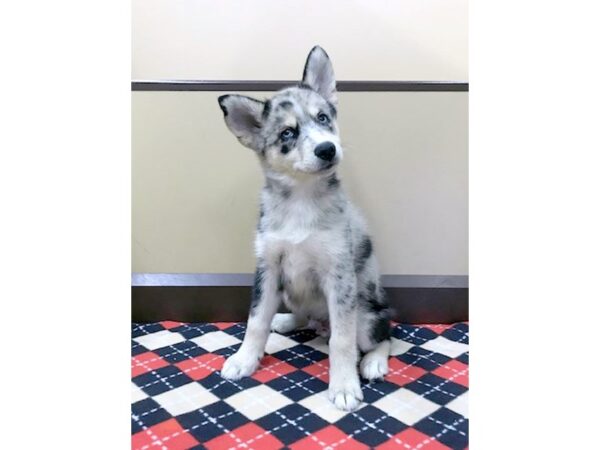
(318, 74)
(243, 118)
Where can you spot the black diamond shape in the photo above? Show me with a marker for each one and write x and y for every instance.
(192, 330)
(223, 388)
(236, 330)
(297, 385)
(370, 425)
(211, 421)
(424, 359)
(300, 356)
(446, 426)
(292, 423)
(302, 336)
(137, 349)
(142, 329)
(375, 390)
(413, 334)
(162, 380)
(464, 358)
(181, 351)
(458, 333)
(145, 414)
(436, 389)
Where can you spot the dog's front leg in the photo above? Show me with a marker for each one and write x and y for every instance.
(344, 385)
(265, 301)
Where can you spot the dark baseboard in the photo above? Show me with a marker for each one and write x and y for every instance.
(275, 85)
(231, 303)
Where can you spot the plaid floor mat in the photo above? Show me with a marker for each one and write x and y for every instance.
(180, 400)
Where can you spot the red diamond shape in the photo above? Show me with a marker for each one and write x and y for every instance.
(201, 366)
(145, 362)
(411, 438)
(401, 373)
(224, 325)
(169, 434)
(271, 368)
(168, 324)
(330, 436)
(246, 436)
(438, 328)
(319, 370)
(454, 370)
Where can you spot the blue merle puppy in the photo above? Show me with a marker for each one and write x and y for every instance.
(312, 247)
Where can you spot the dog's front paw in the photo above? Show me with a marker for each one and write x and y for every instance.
(346, 395)
(239, 366)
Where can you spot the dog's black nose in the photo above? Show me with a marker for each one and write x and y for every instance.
(325, 150)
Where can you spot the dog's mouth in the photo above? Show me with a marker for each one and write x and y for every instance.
(328, 165)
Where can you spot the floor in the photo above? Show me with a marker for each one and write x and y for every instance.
(180, 401)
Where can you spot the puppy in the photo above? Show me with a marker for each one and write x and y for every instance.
(312, 247)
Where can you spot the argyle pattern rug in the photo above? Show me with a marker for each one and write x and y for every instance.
(180, 401)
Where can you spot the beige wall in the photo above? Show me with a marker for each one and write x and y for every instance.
(269, 39)
(195, 189)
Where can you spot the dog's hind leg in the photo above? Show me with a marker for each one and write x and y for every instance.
(374, 364)
(286, 322)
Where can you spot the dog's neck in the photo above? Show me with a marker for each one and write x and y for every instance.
(310, 186)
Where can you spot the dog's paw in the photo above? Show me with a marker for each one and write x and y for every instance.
(373, 367)
(346, 395)
(239, 366)
(283, 323)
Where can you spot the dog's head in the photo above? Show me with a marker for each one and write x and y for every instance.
(295, 132)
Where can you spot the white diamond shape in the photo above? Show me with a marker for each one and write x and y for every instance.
(460, 405)
(406, 406)
(186, 398)
(277, 342)
(258, 401)
(215, 340)
(446, 347)
(399, 347)
(319, 343)
(321, 405)
(137, 394)
(159, 339)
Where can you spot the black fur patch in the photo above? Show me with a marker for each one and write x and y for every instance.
(372, 300)
(333, 109)
(381, 328)
(260, 219)
(285, 149)
(222, 98)
(266, 109)
(257, 288)
(305, 86)
(364, 251)
(333, 182)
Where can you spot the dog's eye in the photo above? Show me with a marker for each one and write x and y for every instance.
(323, 118)
(287, 134)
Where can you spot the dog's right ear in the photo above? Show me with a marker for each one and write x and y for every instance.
(243, 118)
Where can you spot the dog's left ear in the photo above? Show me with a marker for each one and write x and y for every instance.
(318, 74)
